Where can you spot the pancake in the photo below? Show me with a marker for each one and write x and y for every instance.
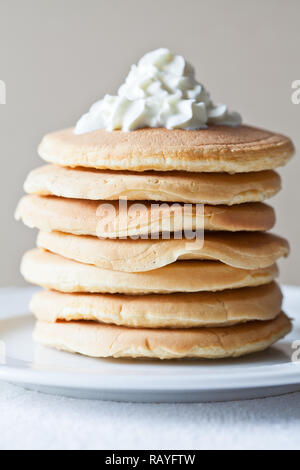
(241, 250)
(162, 311)
(215, 149)
(56, 272)
(102, 340)
(83, 217)
(208, 188)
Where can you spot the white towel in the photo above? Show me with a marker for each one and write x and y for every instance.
(31, 420)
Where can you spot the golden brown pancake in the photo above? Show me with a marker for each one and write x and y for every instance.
(83, 217)
(103, 340)
(56, 272)
(241, 250)
(208, 188)
(191, 310)
(215, 149)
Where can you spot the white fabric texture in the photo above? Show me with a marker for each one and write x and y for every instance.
(31, 420)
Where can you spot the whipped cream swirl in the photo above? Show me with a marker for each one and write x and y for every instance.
(160, 91)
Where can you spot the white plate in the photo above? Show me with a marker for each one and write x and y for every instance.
(38, 368)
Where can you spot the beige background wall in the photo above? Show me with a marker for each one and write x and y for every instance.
(59, 56)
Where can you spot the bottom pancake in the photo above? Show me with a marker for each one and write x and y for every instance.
(102, 340)
(162, 311)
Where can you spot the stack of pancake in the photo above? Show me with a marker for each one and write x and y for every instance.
(115, 283)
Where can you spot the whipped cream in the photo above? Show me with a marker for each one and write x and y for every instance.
(160, 91)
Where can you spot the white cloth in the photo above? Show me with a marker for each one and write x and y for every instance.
(31, 420)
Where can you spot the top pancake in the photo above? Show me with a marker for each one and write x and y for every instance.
(207, 188)
(215, 149)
